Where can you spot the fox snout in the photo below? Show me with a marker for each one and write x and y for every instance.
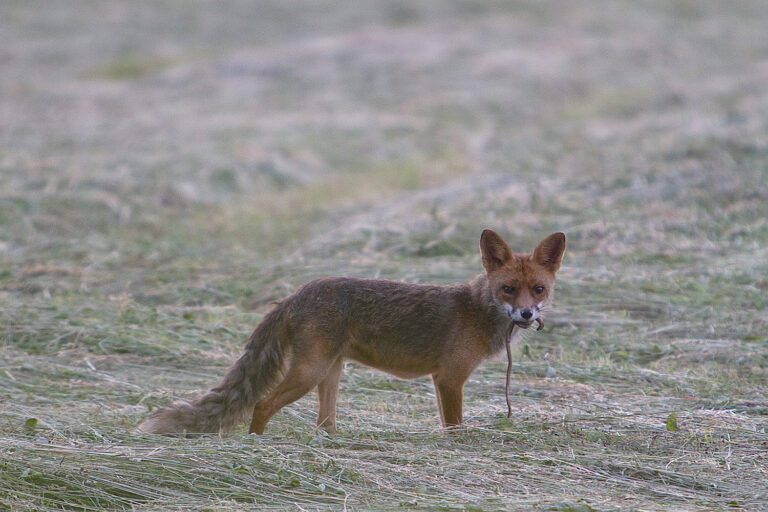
(523, 316)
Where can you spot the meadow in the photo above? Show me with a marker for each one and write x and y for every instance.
(170, 169)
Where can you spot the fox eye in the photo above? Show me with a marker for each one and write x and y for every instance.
(508, 289)
(538, 290)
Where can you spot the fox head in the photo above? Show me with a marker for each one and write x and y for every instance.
(522, 284)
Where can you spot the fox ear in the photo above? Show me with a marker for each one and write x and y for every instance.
(494, 250)
(549, 252)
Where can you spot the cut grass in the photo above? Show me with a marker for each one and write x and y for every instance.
(148, 219)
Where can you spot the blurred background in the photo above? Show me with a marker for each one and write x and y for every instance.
(168, 169)
(135, 131)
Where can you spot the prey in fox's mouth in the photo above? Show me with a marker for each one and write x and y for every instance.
(528, 324)
(524, 317)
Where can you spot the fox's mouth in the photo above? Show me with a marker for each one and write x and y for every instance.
(527, 324)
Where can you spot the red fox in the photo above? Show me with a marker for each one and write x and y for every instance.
(408, 330)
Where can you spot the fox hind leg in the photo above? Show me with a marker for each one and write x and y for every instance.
(312, 362)
(298, 382)
(327, 390)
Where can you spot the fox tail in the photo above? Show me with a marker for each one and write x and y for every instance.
(226, 404)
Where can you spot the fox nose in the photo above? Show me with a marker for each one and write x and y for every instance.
(526, 314)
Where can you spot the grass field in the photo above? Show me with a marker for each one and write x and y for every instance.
(168, 169)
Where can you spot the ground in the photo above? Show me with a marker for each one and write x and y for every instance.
(169, 169)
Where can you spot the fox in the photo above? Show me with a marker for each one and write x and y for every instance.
(408, 330)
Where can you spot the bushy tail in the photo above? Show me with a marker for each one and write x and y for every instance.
(246, 381)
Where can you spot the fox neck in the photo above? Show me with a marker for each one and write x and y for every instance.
(495, 319)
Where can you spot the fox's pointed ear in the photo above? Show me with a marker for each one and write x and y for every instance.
(494, 250)
(549, 252)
